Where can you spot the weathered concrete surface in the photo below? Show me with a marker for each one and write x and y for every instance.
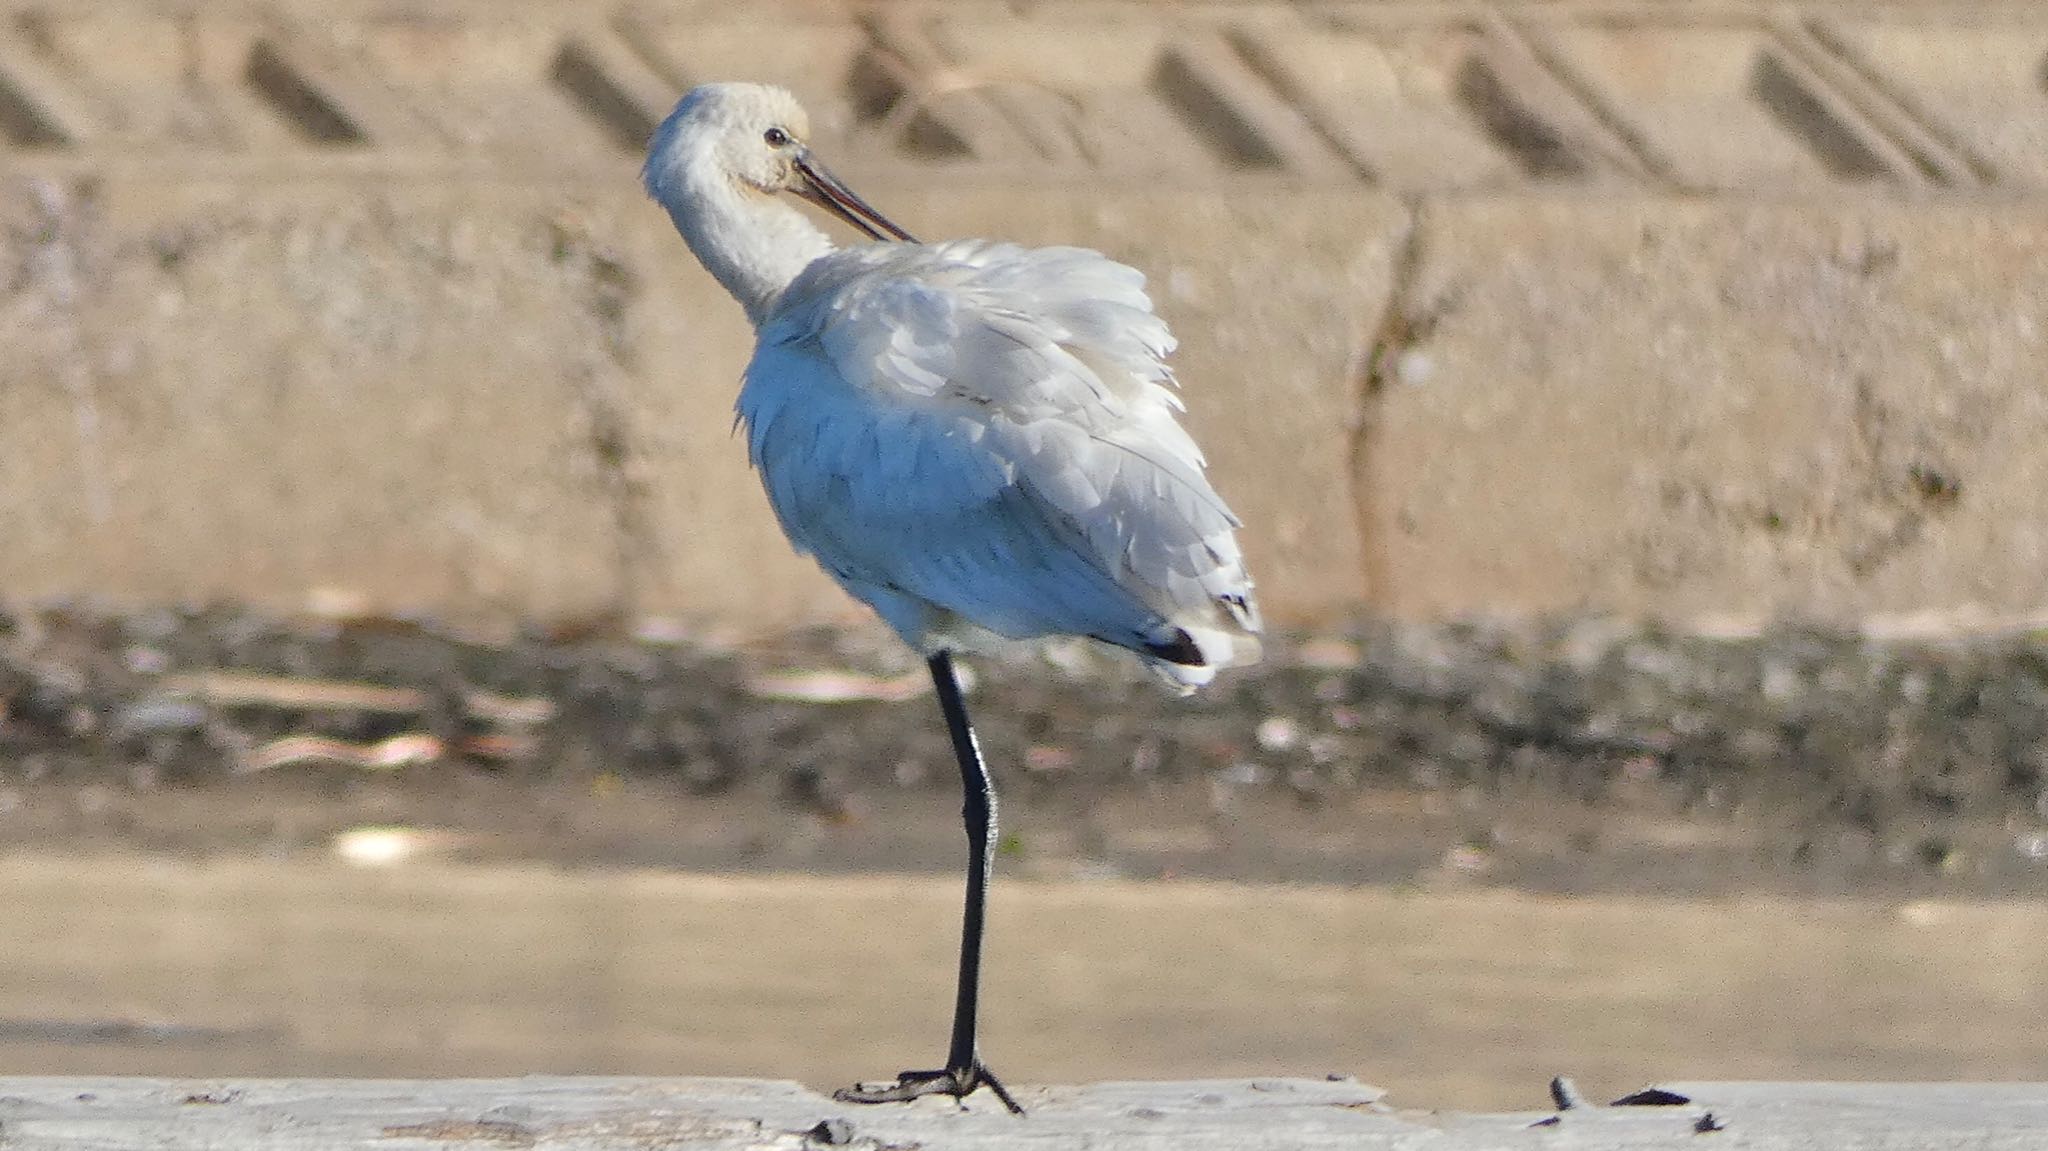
(391, 391)
(1722, 310)
(1700, 407)
(1445, 996)
(586, 1113)
(518, 401)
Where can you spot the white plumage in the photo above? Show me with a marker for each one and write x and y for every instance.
(977, 439)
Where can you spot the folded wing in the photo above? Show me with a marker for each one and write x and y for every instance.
(991, 431)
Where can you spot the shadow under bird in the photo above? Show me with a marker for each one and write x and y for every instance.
(978, 440)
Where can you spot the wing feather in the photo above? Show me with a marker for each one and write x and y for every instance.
(991, 431)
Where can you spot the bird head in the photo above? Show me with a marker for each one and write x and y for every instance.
(756, 136)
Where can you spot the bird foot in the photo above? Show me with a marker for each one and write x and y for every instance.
(959, 1082)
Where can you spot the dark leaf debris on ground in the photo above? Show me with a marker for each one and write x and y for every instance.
(1572, 754)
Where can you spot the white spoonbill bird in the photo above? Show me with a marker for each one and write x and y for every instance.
(978, 440)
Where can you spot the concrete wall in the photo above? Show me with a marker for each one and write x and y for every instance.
(1700, 314)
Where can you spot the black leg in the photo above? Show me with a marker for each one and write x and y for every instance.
(964, 1071)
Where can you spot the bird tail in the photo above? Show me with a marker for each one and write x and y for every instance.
(1188, 658)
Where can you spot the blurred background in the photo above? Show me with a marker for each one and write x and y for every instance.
(1636, 409)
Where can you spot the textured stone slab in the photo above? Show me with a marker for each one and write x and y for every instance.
(1784, 1115)
(394, 391)
(518, 401)
(1414, 96)
(1716, 106)
(570, 1114)
(1396, 102)
(1977, 85)
(370, 303)
(1692, 408)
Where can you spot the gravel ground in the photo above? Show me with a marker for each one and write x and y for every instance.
(1588, 755)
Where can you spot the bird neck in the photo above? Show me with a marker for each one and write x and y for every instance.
(751, 242)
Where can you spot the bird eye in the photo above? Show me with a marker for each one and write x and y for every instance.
(776, 137)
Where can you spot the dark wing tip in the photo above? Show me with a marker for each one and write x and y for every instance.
(1243, 611)
(1181, 649)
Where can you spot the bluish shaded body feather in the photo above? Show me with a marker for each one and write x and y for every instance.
(978, 439)
(978, 434)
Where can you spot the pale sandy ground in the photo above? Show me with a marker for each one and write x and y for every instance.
(1450, 998)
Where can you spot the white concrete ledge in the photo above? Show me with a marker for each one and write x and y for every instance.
(565, 1113)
